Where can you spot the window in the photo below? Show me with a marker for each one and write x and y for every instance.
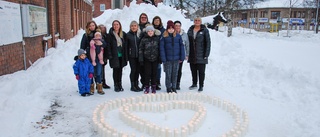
(263, 14)
(275, 14)
(303, 15)
(298, 14)
(117, 4)
(102, 7)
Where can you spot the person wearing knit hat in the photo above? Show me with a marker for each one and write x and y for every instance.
(80, 52)
(149, 28)
(149, 58)
(185, 41)
(83, 70)
(172, 53)
(170, 24)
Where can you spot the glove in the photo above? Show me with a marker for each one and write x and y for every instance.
(90, 75)
(77, 77)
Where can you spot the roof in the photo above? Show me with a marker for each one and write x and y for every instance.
(283, 4)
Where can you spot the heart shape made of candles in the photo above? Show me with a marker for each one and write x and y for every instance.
(143, 103)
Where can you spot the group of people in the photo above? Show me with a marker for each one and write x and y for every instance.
(147, 46)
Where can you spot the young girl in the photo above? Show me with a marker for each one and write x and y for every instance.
(149, 57)
(83, 70)
(172, 53)
(96, 49)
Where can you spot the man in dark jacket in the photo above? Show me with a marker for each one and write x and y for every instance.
(200, 43)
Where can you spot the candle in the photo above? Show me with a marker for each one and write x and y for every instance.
(183, 133)
(177, 133)
(163, 132)
(109, 133)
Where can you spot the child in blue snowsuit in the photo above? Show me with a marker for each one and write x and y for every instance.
(83, 69)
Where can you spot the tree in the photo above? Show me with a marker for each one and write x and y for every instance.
(292, 3)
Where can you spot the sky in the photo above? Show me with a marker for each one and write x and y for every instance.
(273, 79)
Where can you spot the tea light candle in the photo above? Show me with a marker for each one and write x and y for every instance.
(161, 108)
(109, 133)
(114, 135)
(177, 133)
(157, 131)
(183, 133)
(169, 133)
(239, 133)
(158, 97)
(163, 132)
(219, 102)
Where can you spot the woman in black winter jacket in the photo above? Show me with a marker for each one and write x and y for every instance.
(149, 57)
(133, 41)
(117, 53)
(200, 43)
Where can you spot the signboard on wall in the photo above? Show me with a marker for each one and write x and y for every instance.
(10, 23)
(34, 20)
(263, 20)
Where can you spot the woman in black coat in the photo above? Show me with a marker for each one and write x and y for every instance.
(200, 43)
(133, 41)
(117, 53)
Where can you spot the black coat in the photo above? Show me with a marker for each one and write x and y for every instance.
(133, 42)
(149, 48)
(200, 46)
(112, 50)
(85, 43)
(106, 38)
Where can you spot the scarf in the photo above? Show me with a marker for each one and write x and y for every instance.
(119, 41)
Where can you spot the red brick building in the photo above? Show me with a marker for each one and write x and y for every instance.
(63, 19)
(101, 5)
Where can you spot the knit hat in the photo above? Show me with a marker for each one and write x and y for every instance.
(170, 24)
(81, 51)
(149, 27)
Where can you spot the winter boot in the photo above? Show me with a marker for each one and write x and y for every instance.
(193, 86)
(174, 90)
(169, 90)
(104, 85)
(136, 84)
(116, 87)
(91, 89)
(200, 88)
(120, 86)
(153, 89)
(142, 87)
(158, 86)
(100, 91)
(147, 89)
(178, 86)
(133, 87)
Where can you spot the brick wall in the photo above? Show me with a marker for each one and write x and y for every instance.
(63, 16)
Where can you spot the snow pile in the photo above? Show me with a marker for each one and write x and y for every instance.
(273, 78)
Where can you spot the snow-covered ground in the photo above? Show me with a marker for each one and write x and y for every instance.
(275, 79)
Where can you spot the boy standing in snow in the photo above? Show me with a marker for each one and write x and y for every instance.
(83, 70)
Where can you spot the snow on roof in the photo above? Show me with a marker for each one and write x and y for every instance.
(282, 4)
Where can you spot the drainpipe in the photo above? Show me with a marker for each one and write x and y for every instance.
(23, 42)
(317, 22)
(46, 38)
